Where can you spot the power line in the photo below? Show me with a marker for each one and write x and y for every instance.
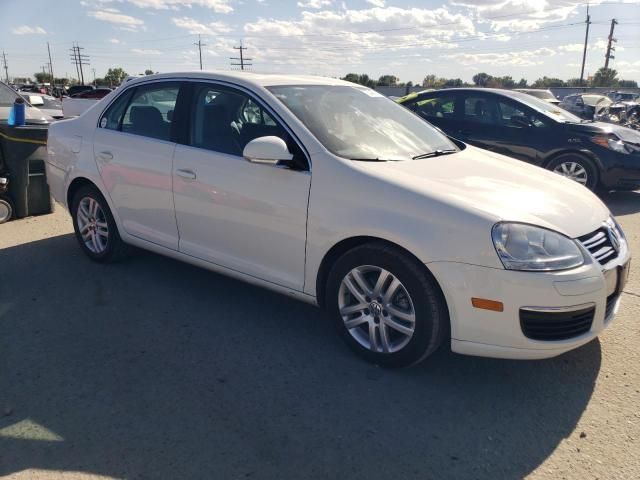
(610, 48)
(243, 61)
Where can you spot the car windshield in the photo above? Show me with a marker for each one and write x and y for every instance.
(360, 124)
(7, 95)
(550, 110)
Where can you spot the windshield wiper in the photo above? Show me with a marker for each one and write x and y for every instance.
(435, 153)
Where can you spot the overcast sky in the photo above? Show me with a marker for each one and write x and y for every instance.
(407, 38)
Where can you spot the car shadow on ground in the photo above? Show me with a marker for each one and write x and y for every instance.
(622, 203)
(157, 369)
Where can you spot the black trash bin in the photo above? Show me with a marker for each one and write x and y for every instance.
(23, 154)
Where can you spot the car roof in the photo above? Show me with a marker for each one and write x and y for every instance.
(246, 78)
(497, 91)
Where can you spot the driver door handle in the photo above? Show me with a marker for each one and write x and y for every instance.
(186, 174)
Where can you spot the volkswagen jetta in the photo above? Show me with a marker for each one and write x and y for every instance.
(330, 193)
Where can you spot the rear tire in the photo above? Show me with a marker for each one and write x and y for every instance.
(95, 227)
(386, 306)
(577, 168)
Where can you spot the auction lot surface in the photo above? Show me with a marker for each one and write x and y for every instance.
(156, 369)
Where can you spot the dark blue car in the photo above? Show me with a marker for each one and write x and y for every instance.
(597, 155)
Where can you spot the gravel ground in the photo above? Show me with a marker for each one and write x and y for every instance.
(156, 369)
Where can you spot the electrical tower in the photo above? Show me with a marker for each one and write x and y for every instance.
(243, 61)
(6, 67)
(79, 59)
(200, 45)
(610, 47)
(584, 54)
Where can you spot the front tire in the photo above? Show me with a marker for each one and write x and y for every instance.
(95, 227)
(576, 168)
(386, 306)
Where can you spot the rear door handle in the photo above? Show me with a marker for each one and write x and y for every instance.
(105, 156)
(186, 174)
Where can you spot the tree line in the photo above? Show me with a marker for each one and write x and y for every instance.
(605, 77)
(114, 77)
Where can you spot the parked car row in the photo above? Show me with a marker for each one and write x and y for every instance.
(78, 102)
(622, 108)
(597, 155)
(331, 193)
(47, 104)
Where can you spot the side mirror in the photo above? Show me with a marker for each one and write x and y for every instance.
(520, 121)
(267, 150)
(36, 100)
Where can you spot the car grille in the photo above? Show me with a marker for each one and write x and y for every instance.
(550, 325)
(599, 245)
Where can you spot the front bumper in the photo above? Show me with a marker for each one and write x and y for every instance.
(500, 334)
(620, 171)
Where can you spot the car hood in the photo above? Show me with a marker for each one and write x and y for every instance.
(594, 128)
(500, 189)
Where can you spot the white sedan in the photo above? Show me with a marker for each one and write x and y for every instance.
(330, 193)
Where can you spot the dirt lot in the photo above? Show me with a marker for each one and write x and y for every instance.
(156, 369)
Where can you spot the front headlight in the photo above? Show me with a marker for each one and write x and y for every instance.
(611, 142)
(529, 248)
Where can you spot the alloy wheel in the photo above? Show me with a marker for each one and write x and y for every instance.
(574, 171)
(92, 225)
(376, 309)
(5, 211)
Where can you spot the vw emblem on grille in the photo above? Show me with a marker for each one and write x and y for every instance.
(613, 238)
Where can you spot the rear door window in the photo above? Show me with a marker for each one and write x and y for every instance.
(481, 109)
(113, 116)
(150, 111)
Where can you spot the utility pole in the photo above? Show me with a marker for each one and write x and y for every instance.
(74, 60)
(94, 77)
(6, 68)
(79, 59)
(243, 61)
(51, 67)
(610, 48)
(586, 41)
(200, 45)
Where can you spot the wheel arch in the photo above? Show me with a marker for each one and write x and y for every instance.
(574, 151)
(350, 243)
(74, 186)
